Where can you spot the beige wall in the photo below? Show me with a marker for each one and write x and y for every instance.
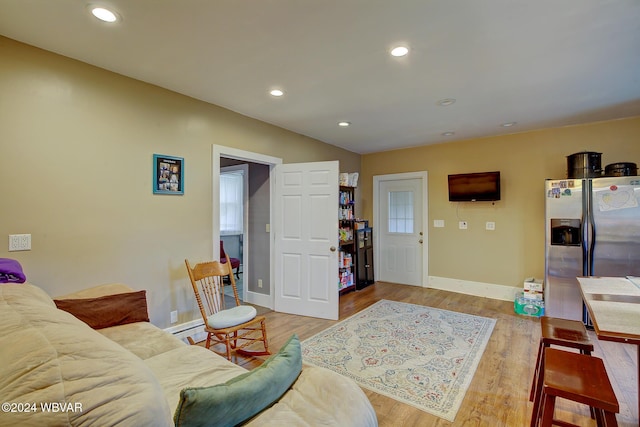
(515, 250)
(76, 145)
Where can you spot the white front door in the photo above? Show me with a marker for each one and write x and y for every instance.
(306, 239)
(401, 229)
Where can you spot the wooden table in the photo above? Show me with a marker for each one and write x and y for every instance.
(614, 307)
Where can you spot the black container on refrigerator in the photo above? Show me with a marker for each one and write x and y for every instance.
(592, 229)
(587, 164)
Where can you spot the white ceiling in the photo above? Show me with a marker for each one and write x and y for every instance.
(540, 63)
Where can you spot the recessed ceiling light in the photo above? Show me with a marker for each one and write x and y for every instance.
(104, 14)
(399, 51)
(446, 102)
(344, 124)
(276, 92)
(508, 125)
(448, 133)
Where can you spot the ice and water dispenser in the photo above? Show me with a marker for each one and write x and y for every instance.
(565, 232)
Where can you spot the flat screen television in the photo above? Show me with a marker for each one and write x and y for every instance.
(474, 187)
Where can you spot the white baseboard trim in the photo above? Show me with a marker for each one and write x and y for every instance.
(487, 290)
(259, 299)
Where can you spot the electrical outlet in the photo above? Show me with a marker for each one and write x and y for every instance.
(174, 317)
(259, 283)
(491, 225)
(19, 242)
(462, 225)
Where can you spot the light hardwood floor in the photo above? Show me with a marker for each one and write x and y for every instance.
(498, 394)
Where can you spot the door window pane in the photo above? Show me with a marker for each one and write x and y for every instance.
(401, 212)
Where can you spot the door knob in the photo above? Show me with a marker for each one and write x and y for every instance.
(420, 241)
(332, 248)
(421, 233)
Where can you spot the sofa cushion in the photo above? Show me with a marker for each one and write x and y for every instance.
(48, 355)
(319, 397)
(143, 339)
(98, 291)
(26, 295)
(190, 366)
(108, 310)
(244, 396)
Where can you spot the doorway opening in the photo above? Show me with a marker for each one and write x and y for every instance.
(234, 205)
(253, 244)
(300, 262)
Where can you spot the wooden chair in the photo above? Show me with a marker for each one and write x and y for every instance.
(236, 327)
(579, 378)
(558, 332)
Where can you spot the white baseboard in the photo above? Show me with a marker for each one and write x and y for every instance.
(487, 290)
(259, 299)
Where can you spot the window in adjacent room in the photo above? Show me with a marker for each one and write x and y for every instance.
(231, 202)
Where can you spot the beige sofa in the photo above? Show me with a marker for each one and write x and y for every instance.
(55, 370)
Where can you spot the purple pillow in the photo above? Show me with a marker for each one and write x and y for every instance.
(11, 271)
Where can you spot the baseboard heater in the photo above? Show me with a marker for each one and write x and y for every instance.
(184, 331)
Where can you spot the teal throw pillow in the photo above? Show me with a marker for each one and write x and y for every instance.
(244, 396)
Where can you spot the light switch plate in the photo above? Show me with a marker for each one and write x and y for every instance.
(462, 225)
(438, 223)
(19, 242)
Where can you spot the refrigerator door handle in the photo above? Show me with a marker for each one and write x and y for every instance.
(592, 246)
(585, 250)
(592, 225)
(584, 230)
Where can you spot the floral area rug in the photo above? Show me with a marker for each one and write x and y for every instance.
(421, 356)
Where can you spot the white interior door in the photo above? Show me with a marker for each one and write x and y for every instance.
(401, 229)
(306, 239)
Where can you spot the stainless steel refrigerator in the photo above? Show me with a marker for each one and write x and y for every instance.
(592, 229)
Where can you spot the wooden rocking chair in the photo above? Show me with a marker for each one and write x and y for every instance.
(236, 327)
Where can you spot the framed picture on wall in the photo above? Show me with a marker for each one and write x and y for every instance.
(168, 175)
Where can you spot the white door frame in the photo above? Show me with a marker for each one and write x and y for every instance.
(234, 153)
(377, 179)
